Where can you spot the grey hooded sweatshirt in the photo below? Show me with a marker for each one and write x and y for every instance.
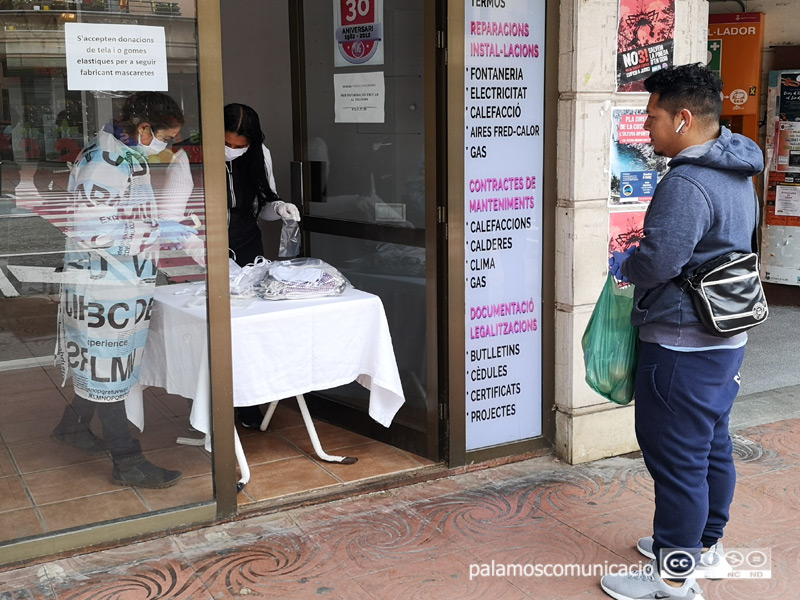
(702, 208)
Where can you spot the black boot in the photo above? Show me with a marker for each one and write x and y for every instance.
(137, 471)
(250, 416)
(75, 431)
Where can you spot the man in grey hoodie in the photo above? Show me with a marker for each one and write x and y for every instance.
(686, 378)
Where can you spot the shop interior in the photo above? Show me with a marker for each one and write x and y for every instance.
(46, 486)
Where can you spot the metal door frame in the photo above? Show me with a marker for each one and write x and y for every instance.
(432, 238)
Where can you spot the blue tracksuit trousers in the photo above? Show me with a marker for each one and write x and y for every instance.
(683, 405)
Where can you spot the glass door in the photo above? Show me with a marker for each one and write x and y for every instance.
(360, 175)
(101, 173)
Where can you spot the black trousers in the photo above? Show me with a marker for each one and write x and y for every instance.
(114, 422)
(248, 251)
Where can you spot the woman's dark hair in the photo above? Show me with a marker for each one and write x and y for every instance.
(692, 86)
(155, 108)
(243, 120)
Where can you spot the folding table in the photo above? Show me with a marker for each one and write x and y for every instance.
(281, 349)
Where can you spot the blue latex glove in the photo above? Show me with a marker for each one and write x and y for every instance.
(615, 263)
(172, 234)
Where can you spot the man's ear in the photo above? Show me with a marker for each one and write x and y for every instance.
(687, 118)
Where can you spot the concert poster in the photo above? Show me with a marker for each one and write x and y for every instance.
(645, 40)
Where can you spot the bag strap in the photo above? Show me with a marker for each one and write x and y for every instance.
(684, 282)
(754, 239)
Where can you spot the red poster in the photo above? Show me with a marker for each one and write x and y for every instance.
(772, 215)
(358, 32)
(625, 229)
(644, 41)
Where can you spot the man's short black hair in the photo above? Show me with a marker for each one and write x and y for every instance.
(692, 86)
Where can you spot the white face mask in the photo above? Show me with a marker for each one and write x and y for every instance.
(154, 147)
(232, 153)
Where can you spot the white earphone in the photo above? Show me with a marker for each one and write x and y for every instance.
(681, 126)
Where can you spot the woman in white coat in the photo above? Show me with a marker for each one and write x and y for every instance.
(251, 196)
(251, 184)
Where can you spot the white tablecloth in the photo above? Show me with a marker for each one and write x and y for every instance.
(280, 349)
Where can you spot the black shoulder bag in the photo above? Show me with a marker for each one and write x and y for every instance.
(726, 291)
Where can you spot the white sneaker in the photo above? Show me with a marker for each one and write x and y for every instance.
(646, 584)
(712, 563)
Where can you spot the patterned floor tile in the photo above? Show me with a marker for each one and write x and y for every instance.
(751, 458)
(555, 561)
(619, 531)
(162, 579)
(755, 515)
(782, 436)
(481, 516)
(84, 567)
(782, 485)
(269, 568)
(587, 494)
(28, 583)
(446, 576)
(427, 540)
(371, 542)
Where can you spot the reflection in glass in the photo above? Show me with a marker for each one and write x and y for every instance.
(395, 273)
(117, 226)
(368, 172)
(95, 211)
(374, 173)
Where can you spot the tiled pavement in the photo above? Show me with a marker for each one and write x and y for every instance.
(419, 541)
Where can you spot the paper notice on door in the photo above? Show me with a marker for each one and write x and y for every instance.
(787, 200)
(107, 56)
(360, 97)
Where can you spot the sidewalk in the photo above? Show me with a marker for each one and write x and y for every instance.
(419, 541)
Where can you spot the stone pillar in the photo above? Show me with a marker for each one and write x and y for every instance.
(589, 427)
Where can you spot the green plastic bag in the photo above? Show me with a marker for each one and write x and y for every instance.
(611, 344)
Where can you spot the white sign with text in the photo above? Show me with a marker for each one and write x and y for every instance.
(359, 97)
(504, 79)
(115, 57)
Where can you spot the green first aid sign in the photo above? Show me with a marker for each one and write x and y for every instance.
(714, 57)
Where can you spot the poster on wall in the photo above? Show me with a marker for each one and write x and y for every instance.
(787, 146)
(780, 236)
(645, 40)
(625, 229)
(780, 239)
(114, 57)
(781, 203)
(635, 168)
(358, 32)
(503, 158)
(789, 97)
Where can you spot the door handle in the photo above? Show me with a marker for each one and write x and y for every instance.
(317, 182)
(296, 177)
